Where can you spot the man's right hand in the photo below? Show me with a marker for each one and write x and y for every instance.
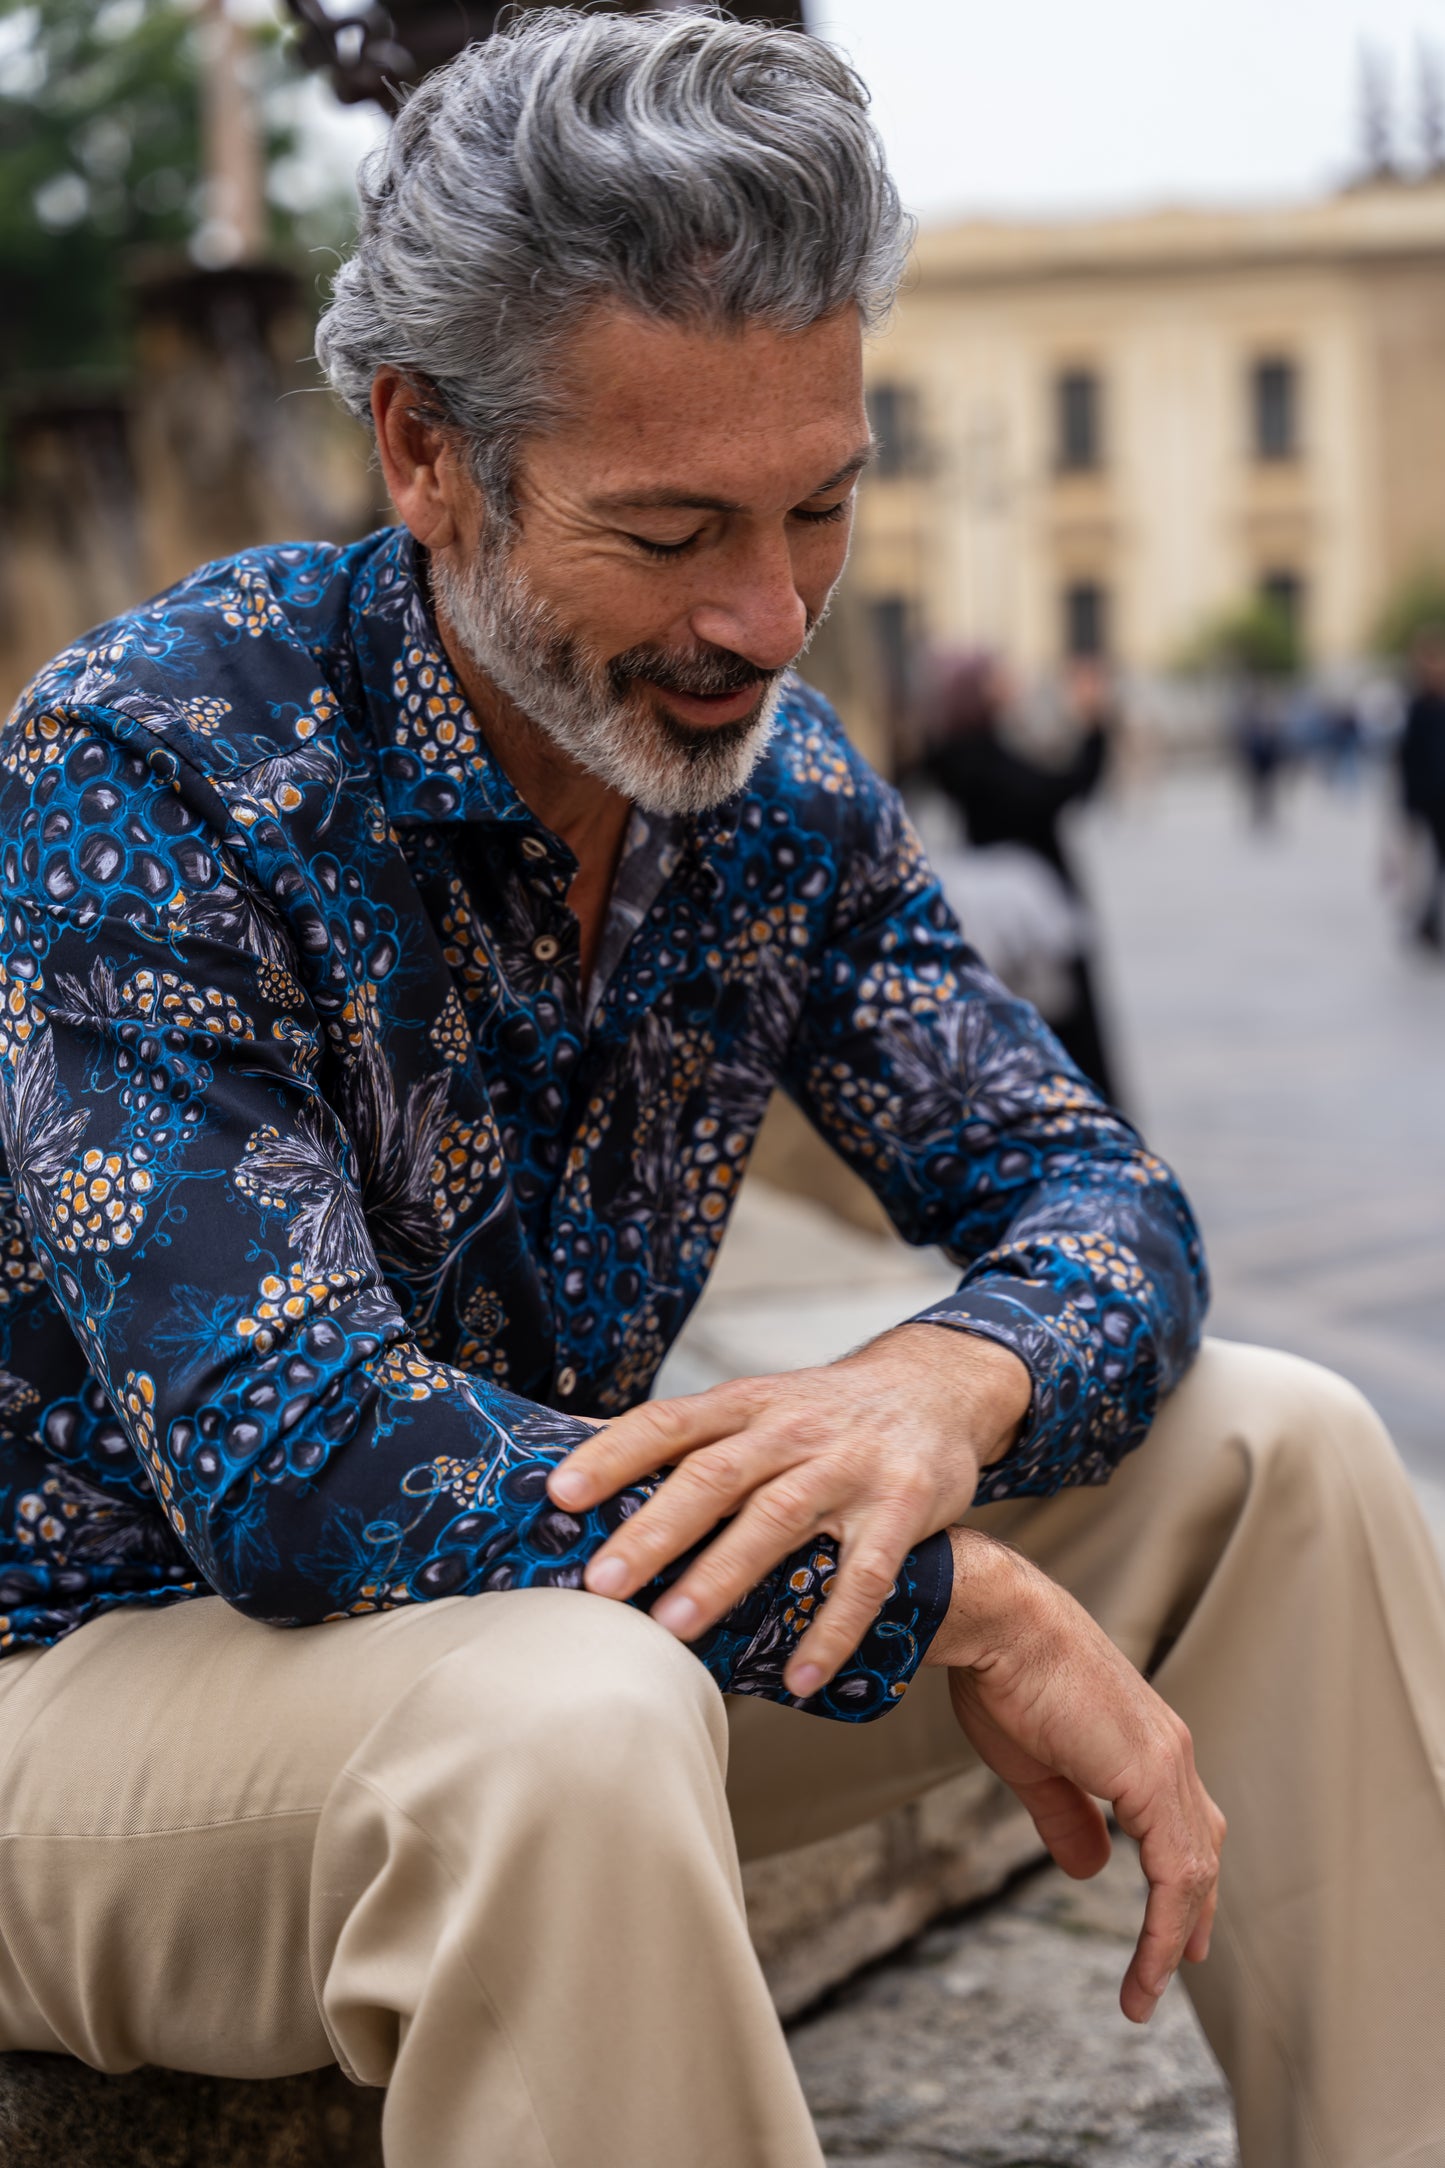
(1065, 1720)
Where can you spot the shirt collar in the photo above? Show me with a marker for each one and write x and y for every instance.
(433, 762)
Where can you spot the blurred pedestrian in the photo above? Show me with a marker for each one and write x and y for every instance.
(1259, 737)
(1422, 775)
(1012, 806)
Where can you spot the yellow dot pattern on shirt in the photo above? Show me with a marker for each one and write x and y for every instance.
(432, 715)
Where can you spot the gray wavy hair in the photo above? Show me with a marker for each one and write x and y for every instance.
(695, 168)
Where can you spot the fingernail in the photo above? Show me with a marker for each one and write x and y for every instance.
(678, 1614)
(567, 1490)
(605, 1576)
(806, 1680)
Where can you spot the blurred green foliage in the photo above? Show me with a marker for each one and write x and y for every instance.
(1416, 607)
(100, 158)
(1257, 638)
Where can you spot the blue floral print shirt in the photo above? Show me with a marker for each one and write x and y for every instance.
(334, 1205)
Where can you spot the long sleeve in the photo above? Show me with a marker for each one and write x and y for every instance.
(196, 1202)
(959, 1108)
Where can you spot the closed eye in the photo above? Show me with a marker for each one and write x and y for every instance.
(827, 517)
(663, 549)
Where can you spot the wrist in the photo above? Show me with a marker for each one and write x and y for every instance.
(991, 1604)
(982, 1387)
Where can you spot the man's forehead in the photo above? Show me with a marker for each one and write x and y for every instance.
(695, 413)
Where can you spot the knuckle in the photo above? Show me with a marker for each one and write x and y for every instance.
(790, 1431)
(911, 1494)
(710, 1583)
(871, 1579)
(645, 1427)
(716, 1471)
(641, 1540)
(744, 1392)
(1197, 1876)
(787, 1506)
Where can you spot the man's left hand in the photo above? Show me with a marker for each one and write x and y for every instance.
(880, 1451)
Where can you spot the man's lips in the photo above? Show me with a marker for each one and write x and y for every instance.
(705, 708)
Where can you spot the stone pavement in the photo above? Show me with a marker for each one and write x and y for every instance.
(996, 2040)
(1286, 1053)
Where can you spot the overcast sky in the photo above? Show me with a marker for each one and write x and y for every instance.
(1020, 105)
(1069, 104)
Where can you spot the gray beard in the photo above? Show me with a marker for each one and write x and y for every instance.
(605, 716)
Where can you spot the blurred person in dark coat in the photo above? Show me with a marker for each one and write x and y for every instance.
(1422, 775)
(1008, 798)
(1260, 740)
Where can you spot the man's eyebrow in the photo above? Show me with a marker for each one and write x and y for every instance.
(686, 500)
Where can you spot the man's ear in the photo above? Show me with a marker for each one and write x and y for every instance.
(425, 477)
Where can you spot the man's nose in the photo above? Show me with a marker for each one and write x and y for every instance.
(754, 607)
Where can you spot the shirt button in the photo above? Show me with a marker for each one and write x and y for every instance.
(545, 948)
(566, 1381)
(533, 847)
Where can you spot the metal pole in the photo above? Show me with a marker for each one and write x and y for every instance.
(233, 229)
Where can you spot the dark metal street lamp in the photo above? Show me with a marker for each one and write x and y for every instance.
(371, 51)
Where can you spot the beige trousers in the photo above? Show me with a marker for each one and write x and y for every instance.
(484, 1853)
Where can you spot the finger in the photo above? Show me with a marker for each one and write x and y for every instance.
(636, 1444)
(1196, 1949)
(866, 1578)
(711, 1484)
(1070, 1823)
(1167, 1922)
(778, 1519)
(1177, 1898)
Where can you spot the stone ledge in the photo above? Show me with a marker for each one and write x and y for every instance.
(817, 1915)
(820, 1914)
(55, 2113)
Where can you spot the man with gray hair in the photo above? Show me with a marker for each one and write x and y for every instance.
(400, 946)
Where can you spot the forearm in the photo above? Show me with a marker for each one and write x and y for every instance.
(431, 1482)
(953, 1101)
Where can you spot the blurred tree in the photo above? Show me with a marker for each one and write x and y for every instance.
(100, 157)
(1416, 606)
(1259, 639)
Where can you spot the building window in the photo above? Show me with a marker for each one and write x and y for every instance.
(1285, 593)
(1079, 418)
(1086, 619)
(1275, 393)
(894, 646)
(897, 431)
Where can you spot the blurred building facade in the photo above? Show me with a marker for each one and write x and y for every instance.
(1096, 434)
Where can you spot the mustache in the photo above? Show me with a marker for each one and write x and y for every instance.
(708, 675)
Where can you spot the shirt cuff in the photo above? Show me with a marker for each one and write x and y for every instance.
(748, 1651)
(1054, 1446)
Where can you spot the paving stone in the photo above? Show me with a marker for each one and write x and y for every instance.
(1284, 1049)
(996, 2041)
